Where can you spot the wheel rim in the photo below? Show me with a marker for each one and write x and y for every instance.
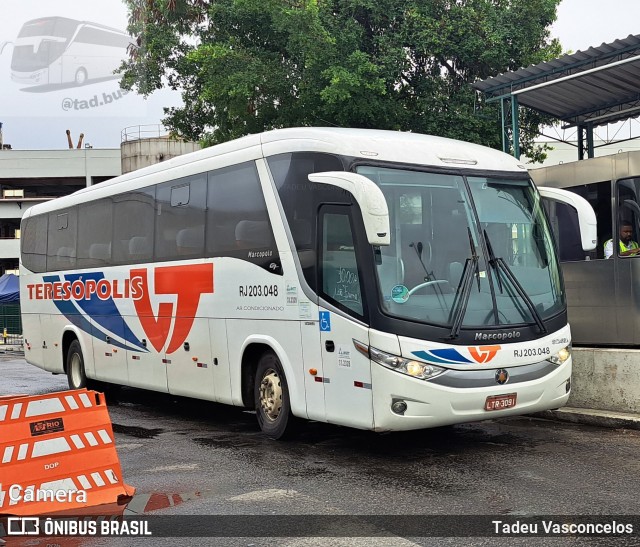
(271, 395)
(74, 366)
(81, 77)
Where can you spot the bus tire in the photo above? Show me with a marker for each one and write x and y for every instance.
(76, 374)
(271, 393)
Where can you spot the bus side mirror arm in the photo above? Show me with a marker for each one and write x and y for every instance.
(370, 198)
(586, 215)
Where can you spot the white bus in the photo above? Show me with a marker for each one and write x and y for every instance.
(58, 50)
(373, 279)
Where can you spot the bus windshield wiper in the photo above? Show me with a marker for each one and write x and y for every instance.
(499, 265)
(464, 288)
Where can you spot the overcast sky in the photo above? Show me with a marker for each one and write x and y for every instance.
(36, 116)
(582, 24)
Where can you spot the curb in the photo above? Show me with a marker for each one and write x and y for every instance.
(591, 416)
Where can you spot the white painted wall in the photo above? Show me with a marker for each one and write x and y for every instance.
(82, 162)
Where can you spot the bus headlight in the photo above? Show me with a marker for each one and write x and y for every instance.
(560, 357)
(416, 369)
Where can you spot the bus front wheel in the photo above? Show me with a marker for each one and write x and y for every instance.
(272, 398)
(75, 367)
(81, 76)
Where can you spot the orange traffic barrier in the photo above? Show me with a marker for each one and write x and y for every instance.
(57, 454)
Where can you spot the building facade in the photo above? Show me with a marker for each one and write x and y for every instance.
(28, 177)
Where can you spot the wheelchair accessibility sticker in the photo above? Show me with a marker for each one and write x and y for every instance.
(325, 321)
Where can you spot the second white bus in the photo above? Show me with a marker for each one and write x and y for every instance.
(378, 280)
(59, 50)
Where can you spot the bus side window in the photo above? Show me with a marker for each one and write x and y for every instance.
(190, 241)
(564, 224)
(34, 243)
(565, 227)
(95, 230)
(302, 238)
(140, 248)
(133, 226)
(180, 218)
(237, 219)
(61, 243)
(252, 234)
(340, 277)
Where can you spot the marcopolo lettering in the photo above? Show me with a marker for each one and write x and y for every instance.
(497, 335)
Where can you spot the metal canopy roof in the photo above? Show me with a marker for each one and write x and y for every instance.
(589, 88)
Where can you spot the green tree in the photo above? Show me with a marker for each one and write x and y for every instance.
(244, 66)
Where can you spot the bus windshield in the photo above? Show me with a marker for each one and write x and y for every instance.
(466, 251)
(41, 42)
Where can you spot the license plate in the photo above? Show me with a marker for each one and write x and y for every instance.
(500, 402)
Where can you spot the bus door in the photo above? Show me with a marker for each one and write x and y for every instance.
(109, 355)
(147, 369)
(190, 364)
(347, 372)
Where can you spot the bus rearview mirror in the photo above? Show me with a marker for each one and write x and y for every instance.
(586, 215)
(370, 198)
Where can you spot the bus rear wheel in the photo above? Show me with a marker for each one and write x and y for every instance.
(271, 395)
(76, 374)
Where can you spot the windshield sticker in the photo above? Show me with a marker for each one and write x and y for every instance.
(400, 294)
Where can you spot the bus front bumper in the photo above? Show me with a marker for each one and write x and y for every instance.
(431, 405)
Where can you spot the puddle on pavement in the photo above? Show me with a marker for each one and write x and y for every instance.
(228, 441)
(137, 432)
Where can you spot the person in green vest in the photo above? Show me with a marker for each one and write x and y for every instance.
(626, 245)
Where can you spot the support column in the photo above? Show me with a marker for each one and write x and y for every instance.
(585, 141)
(510, 125)
(505, 113)
(515, 123)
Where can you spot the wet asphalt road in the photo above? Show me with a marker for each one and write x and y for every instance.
(209, 459)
